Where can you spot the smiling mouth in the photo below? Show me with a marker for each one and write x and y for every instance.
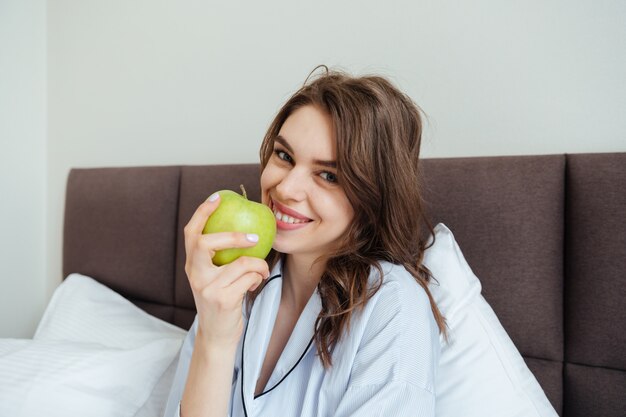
(285, 218)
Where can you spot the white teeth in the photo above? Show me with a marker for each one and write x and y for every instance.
(286, 218)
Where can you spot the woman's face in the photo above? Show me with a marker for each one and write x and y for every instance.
(299, 184)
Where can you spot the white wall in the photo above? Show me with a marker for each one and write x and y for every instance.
(197, 82)
(23, 199)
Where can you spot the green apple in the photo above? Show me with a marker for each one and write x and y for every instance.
(238, 214)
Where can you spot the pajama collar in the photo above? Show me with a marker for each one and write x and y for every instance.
(258, 332)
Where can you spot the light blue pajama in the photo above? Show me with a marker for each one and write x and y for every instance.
(384, 366)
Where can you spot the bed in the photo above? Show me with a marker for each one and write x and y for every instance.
(544, 233)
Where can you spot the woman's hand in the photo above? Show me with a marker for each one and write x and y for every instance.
(218, 291)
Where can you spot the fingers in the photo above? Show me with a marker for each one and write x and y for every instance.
(227, 240)
(241, 267)
(200, 276)
(201, 215)
(202, 248)
(247, 282)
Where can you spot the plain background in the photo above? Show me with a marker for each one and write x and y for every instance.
(87, 83)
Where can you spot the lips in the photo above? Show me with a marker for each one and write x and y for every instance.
(286, 215)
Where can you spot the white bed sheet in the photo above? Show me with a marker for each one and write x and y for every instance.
(94, 353)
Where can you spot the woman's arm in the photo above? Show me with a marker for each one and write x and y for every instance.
(218, 293)
(182, 380)
(209, 381)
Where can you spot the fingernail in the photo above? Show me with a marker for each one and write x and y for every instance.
(252, 237)
(213, 197)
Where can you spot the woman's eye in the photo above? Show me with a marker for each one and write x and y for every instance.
(283, 155)
(329, 176)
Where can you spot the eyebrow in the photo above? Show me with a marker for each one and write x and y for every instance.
(283, 141)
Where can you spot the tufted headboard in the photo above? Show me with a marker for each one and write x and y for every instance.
(545, 234)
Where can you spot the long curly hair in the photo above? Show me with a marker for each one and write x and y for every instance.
(378, 131)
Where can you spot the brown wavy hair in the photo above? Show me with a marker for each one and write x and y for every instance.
(378, 131)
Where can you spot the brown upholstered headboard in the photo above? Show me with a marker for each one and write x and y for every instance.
(545, 234)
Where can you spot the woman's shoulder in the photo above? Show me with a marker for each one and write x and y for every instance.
(397, 326)
(399, 292)
(398, 318)
(395, 279)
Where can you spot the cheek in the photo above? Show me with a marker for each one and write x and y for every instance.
(268, 180)
(348, 213)
(338, 208)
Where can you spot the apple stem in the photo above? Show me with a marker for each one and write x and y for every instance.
(243, 190)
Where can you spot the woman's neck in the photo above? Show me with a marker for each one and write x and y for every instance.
(300, 278)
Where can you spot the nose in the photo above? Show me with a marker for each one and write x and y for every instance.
(293, 185)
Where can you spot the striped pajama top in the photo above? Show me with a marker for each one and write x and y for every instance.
(385, 365)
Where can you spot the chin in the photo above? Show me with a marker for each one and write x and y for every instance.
(289, 245)
(281, 247)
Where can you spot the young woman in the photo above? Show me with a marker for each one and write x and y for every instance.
(338, 320)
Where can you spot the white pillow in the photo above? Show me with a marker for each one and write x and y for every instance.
(481, 373)
(94, 354)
